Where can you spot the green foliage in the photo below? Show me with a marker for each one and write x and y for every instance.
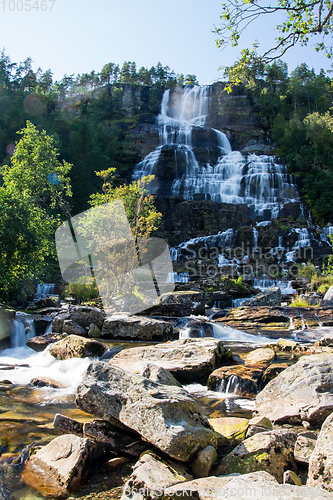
(35, 185)
(299, 302)
(82, 292)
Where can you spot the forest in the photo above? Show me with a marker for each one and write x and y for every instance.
(80, 125)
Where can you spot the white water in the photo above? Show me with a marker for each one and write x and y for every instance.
(199, 390)
(257, 181)
(227, 333)
(178, 278)
(44, 290)
(264, 283)
(303, 241)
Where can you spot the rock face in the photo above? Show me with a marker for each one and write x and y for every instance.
(186, 359)
(166, 416)
(74, 346)
(61, 466)
(260, 356)
(321, 460)
(271, 451)
(270, 297)
(179, 304)
(301, 392)
(124, 327)
(151, 477)
(153, 372)
(304, 446)
(239, 379)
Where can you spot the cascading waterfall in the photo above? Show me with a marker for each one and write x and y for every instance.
(182, 169)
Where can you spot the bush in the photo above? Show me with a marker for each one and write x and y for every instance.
(82, 292)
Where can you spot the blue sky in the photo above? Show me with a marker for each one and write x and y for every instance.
(81, 35)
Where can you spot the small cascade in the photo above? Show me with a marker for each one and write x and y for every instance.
(325, 233)
(183, 168)
(23, 330)
(255, 237)
(222, 240)
(229, 385)
(178, 278)
(44, 290)
(239, 302)
(263, 284)
(303, 241)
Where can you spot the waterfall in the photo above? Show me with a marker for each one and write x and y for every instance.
(23, 330)
(44, 290)
(229, 385)
(303, 241)
(178, 278)
(194, 160)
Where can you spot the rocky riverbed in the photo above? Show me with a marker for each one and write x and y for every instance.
(171, 418)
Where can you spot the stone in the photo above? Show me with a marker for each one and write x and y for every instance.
(182, 303)
(153, 372)
(70, 327)
(166, 416)
(62, 466)
(271, 372)
(203, 462)
(106, 433)
(82, 315)
(286, 344)
(124, 327)
(270, 297)
(232, 429)
(258, 424)
(290, 477)
(321, 460)
(239, 379)
(328, 297)
(94, 332)
(67, 425)
(38, 382)
(186, 359)
(74, 346)
(261, 356)
(271, 451)
(41, 342)
(304, 446)
(151, 477)
(302, 391)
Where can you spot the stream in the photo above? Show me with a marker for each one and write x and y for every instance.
(27, 411)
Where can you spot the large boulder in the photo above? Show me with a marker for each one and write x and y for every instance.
(153, 372)
(183, 303)
(271, 451)
(303, 391)
(304, 446)
(270, 297)
(166, 416)
(321, 460)
(232, 429)
(124, 327)
(81, 315)
(261, 356)
(74, 346)
(151, 477)
(187, 360)
(41, 342)
(61, 467)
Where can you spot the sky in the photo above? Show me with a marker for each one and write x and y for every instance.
(78, 36)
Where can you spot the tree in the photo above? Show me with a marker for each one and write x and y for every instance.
(35, 185)
(301, 20)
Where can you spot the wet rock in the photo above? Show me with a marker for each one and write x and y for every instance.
(153, 372)
(67, 425)
(41, 323)
(41, 342)
(82, 315)
(203, 462)
(107, 434)
(321, 460)
(232, 429)
(271, 372)
(37, 382)
(285, 345)
(271, 451)
(151, 477)
(290, 477)
(166, 416)
(124, 327)
(74, 346)
(183, 303)
(302, 391)
(239, 379)
(72, 328)
(94, 332)
(270, 297)
(61, 466)
(261, 356)
(304, 446)
(186, 359)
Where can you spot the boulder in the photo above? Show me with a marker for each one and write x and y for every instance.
(62, 466)
(261, 356)
(258, 424)
(270, 297)
(107, 434)
(67, 425)
(232, 429)
(70, 327)
(239, 379)
(182, 303)
(124, 327)
(166, 416)
(74, 346)
(271, 372)
(82, 315)
(304, 446)
(94, 332)
(203, 462)
(41, 342)
(271, 451)
(187, 360)
(153, 372)
(321, 460)
(302, 391)
(151, 477)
